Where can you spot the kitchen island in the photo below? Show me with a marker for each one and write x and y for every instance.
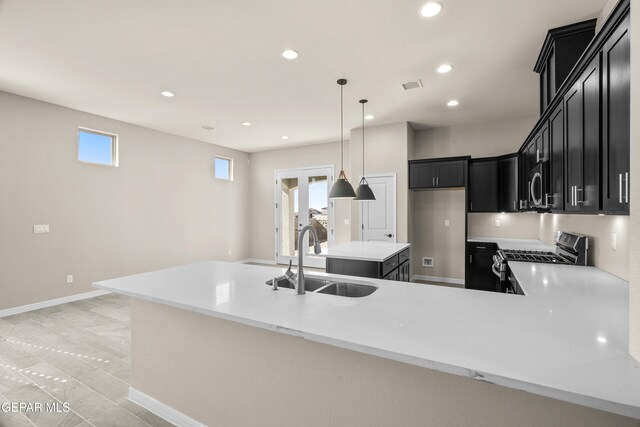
(213, 343)
(378, 260)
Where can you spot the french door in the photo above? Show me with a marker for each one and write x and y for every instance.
(302, 198)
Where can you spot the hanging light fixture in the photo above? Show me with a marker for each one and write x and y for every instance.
(364, 192)
(341, 188)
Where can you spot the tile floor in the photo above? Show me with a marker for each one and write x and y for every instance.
(76, 353)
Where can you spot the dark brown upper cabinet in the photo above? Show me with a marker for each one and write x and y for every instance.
(483, 185)
(616, 73)
(437, 173)
(560, 52)
(582, 141)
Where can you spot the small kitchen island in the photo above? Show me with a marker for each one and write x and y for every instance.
(212, 344)
(377, 260)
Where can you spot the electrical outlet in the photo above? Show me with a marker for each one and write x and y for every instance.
(427, 262)
(614, 242)
(446, 222)
(70, 278)
(496, 223)
(346, 221)
(41, 228)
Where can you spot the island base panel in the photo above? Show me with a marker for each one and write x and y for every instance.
(221, 372)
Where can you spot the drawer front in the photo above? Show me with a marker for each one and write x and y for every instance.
(389, 265)
(482, 247)
(405, 255)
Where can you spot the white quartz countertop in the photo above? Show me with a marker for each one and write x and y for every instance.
(365, 251)
(568, 339)
(517, 244)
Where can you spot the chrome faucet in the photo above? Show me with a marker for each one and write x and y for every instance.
(317, 249)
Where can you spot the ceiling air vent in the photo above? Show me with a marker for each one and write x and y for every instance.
(412, 85)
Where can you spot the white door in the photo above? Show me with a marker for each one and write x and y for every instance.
(378, 217)
(302, 198)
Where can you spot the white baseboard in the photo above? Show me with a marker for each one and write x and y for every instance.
(160, 409)
(50, 303)
(438, 279)
(257, 261)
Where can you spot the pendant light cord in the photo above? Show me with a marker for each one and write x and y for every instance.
(363, 142)
(341, 128)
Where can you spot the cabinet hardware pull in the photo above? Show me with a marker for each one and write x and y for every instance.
(546, 200)
(514, 206)
(619, 188)
(626, 187)
(538, 155)
(433, 180)
(470, 259)
(437, 180)
(573, 195)
(579, 202)
(481, 247)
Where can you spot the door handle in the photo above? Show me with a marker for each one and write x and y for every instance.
(389, 235)
(620, 188)
(626, 187)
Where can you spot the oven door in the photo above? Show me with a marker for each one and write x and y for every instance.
(538, 191)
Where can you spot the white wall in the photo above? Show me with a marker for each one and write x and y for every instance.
(262, 192)
(160, 208)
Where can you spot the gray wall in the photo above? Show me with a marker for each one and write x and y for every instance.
(160, 208)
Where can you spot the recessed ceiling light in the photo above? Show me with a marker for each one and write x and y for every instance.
(444, 68)
(602, 339)
(284, 137)
(369, 117)
(208, 127)
(453, 103)
(289, 54)
(167, 94)
(246, 123)
(431, 9)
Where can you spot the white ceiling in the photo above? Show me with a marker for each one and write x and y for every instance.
(222, 59)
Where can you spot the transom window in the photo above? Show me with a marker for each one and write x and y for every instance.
(97, 147)
(223, 168)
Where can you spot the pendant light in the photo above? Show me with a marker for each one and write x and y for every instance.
(364, 192)
(341, 188)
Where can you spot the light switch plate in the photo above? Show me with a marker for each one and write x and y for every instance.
(446, 222)
(41, 228)
(70, 278)
(614, 242)
(346, 221)
(496, 223)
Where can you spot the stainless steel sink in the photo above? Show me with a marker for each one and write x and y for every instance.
(345, 289)
(329, 287)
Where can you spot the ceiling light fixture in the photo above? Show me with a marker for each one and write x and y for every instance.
(341, 188)
(167, 94)
(364, 192)
(284, 137)
(444, 68)
(246, 123)
(369, 117)
(289, 54)
(208, 127)
(431, 9)
(453, 103)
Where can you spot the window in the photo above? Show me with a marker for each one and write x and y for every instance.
(97, 147)
(223, 168)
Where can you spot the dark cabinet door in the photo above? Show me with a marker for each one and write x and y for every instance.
(483, 186)
(582, 142)
(616, 74)
(573, 145)
(422, 175)
(451, 174)
(589, 195)
(556, 172)
(507, 184)
(541, 149)
(478, 273)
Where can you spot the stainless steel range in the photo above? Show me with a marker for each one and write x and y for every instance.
(571, 249)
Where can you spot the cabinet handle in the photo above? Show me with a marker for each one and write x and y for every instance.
(620, 188)
(573, 195)
(437, 180)
(579, 202)
(538, 155)
(470, 259)
(626, 187)
(546, 200)
(514, 206)
(471, 206)
(481, 247)
(433, 180)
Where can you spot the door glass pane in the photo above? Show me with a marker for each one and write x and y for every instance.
(318, 209)
(289, 216)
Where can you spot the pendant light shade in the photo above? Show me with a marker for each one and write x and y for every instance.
(364, 192)
(342, 189)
